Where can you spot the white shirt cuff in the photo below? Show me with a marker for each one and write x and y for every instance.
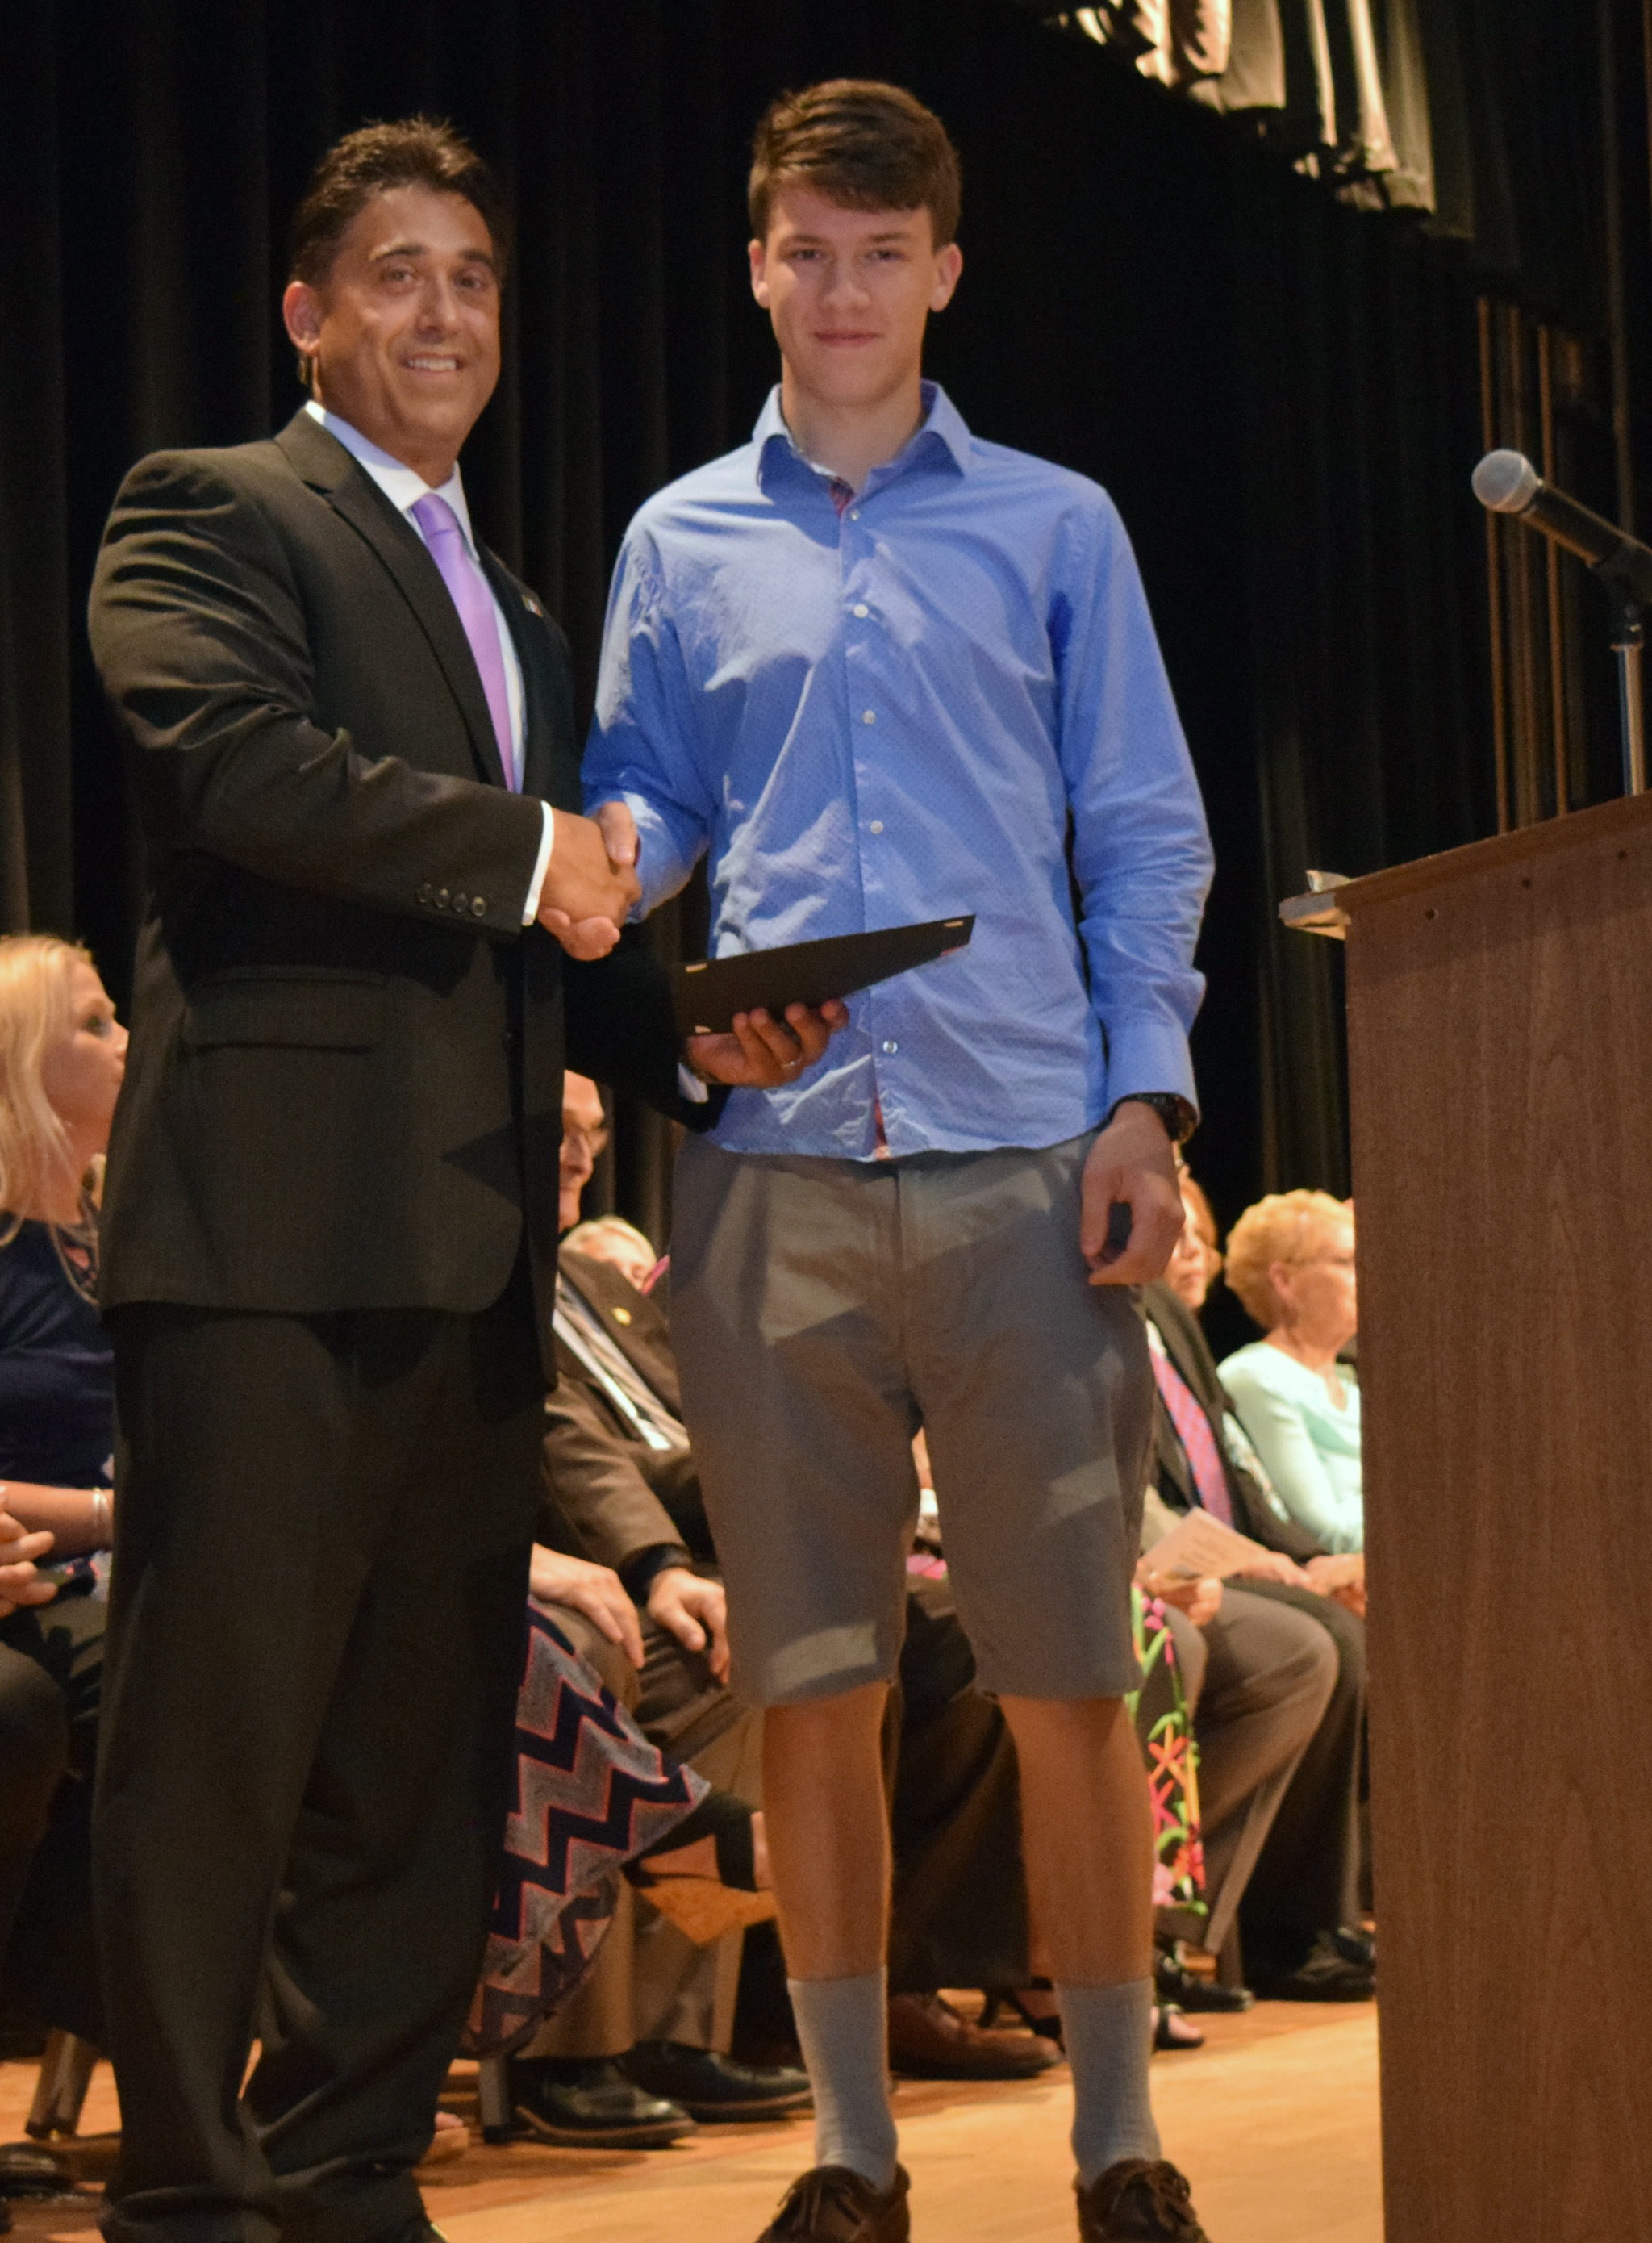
(530, 909)
(690, 1085)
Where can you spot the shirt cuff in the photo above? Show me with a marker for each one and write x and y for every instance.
(1144, 1053)
(693, 1089)
(530, 908)
(637, 1573)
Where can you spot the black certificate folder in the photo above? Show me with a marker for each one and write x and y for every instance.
(708, 996)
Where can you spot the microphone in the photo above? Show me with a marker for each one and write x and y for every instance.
(1507, 482)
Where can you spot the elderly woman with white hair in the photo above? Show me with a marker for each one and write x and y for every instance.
(1290, 1260)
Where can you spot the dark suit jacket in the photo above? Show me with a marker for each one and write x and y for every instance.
(344, 1087)
(607, 1495)
(1187, 1348)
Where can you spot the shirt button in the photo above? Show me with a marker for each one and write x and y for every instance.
(889, 1044)
(878, 826)
(869, 715)
(854, 514)
(862, 608)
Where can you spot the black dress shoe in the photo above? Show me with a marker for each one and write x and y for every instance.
(588, 2103)
(1189, 1991)
(1355, 1945)
(715, 2089)
(26, 2170)
(1324, 1974)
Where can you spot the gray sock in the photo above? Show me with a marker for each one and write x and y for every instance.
(1109, 2035)
(842, 2025)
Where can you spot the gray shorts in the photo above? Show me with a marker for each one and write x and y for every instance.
(822, 1311)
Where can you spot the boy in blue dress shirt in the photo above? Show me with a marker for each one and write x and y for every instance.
(878, 669)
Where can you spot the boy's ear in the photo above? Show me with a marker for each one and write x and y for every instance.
(949, 267)
(755, 251)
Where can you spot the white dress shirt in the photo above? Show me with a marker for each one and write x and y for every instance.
(404, 486)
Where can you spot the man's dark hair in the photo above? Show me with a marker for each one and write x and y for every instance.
(862, 145)
(413, 151)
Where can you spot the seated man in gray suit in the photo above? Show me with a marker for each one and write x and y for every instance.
(640, 2053)
(1282, 1821)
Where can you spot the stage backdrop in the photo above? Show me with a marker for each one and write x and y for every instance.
(1282, 393)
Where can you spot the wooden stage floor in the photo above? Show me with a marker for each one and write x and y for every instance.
(1275, 2120)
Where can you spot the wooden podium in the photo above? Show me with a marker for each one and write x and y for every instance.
(1500, 1023)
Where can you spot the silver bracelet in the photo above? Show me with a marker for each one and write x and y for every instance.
(102, 1518)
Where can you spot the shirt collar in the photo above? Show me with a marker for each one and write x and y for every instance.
(942, 423)
(402, 485)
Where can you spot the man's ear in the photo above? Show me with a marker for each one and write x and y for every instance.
(756, 251)
(301, 312)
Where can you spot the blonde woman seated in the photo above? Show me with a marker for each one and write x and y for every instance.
(1290, 1260)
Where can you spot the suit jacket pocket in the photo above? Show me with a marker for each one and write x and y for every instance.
(316, 1008)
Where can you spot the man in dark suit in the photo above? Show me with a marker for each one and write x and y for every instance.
(331, 1224)
(1301, 1896)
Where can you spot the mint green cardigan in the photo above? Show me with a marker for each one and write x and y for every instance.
(1311, 1448)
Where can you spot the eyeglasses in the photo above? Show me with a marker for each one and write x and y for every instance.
(596, 1141)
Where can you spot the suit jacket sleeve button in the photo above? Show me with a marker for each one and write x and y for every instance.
(442, 898)
(461, 903)
(478, 906)
(426, 891)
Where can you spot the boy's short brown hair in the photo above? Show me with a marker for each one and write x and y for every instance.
(413, 151)
(861, 144)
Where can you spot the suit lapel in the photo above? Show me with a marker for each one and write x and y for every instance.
(605, 1291)
(520, 608)
(328, 468)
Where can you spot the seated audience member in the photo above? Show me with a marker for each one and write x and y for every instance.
(611, 1238)
(62, 1058)
(1280, 1822)
(1290, 1259)
(622, 1485)
(639, 2053)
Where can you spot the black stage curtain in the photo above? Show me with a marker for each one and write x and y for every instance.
(1282, 393)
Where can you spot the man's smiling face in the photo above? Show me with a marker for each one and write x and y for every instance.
(403, 332)
(850, 292)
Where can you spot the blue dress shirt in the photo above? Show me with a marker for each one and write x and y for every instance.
(890, 713)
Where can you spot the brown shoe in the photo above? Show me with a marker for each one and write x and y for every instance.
(1138, 2200)
(833, 2204)
(928, 2039)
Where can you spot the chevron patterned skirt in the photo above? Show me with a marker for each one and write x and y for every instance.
(591, 1793)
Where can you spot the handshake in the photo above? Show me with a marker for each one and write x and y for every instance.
(591, 882)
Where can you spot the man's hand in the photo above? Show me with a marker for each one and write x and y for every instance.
(1201, 1601)
(1132, 1164)
(596, 1591)
(586, 895)
(619, 832)
(1274, 1565)
(761, 1054)
(19, 1583)
(694, 1611)
(1341, 1577)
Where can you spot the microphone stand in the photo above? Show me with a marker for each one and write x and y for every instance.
(1629, 637)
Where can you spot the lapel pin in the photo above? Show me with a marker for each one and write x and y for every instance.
(532, 605)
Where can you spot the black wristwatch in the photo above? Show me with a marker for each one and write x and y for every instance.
(1180, 1120)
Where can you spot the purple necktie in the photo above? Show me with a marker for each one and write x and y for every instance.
(472, 595)
(1187, 1414)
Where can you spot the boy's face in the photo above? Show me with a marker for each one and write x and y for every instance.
(850, 292)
